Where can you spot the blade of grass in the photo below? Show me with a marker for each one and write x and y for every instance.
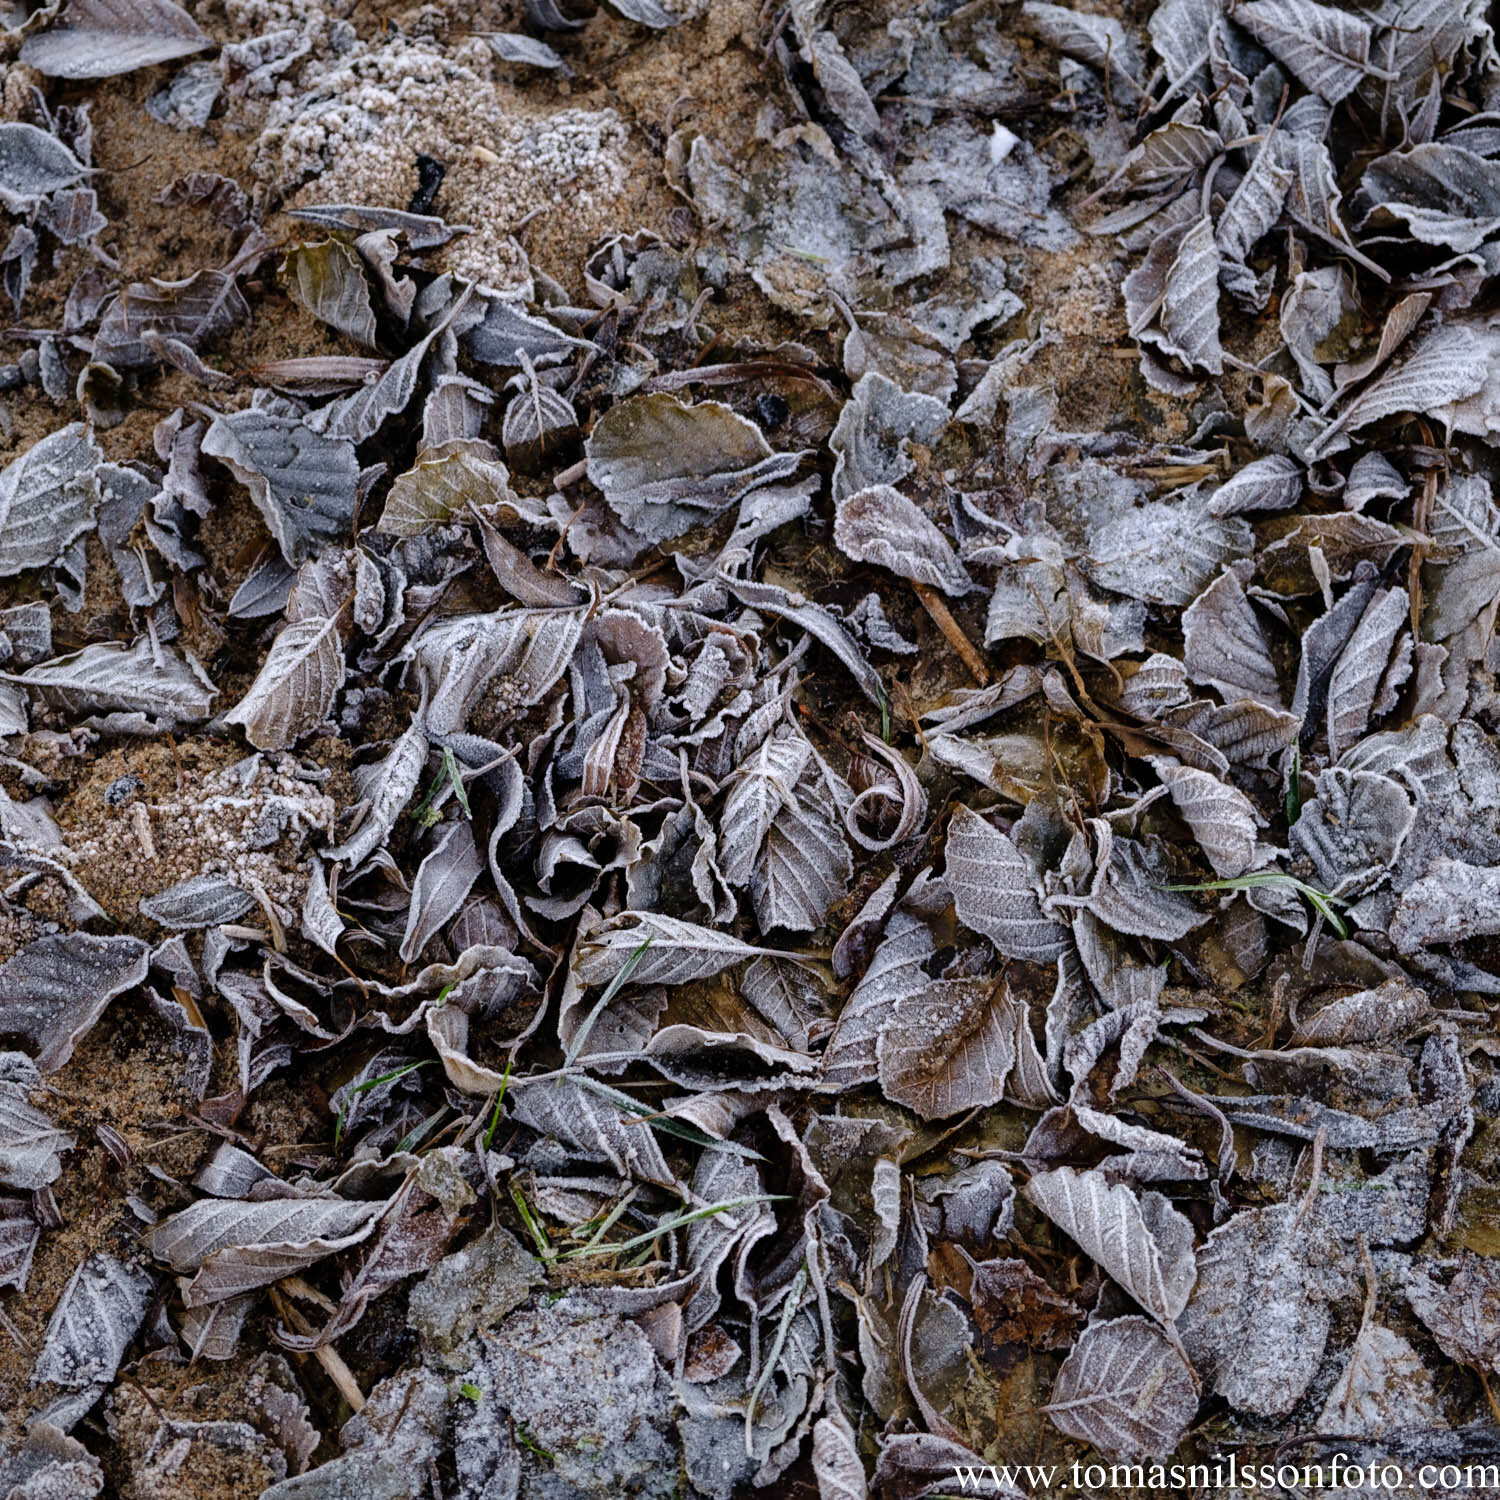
(489, 1134)
(1321, 901)
(374, 1083)
(611, 990)
(455, 777)
(543, 1248)
(677, 1221)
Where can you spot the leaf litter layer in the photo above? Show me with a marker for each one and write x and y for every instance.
(745, 749)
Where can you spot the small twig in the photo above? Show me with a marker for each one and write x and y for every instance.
(327, 1356)
(942, 617)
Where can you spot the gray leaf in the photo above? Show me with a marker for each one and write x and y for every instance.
(58, 986)
(101, 1309)
(1464, 1316)
(875, 430)
(1254, 206)
(1324, 49)
(111, 677)
(295, 687)
(1270, 483)
(441, 885)
(328, 279)
(679, 951)
(103, 38)
(1144, 1243)
(1444, 365)
(1223, 819)
(19, 1233)
(836, 1463)
(1258, 1320)
(234, 1246)
(1442, 193)
(194, 312)
(516, 47)
(385, 788)
(457, 658)
(804, 867)
(1358, 672)
(594, 1120)
(880, 525)
(48, 497)
(994, 891)
(199, 901)
(1125, 1390)
(30, 1144)
(303, 484)
(33, 164)
(1224, 646)
(1190, 303)
(895, 971)
(1164, 553)
(664, 465)
(948, 1047)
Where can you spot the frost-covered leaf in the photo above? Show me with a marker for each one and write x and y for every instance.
(198, 901)
(1224, 646)
(456, 659)
(803, 868)
(896, 970)
(328, 279)
(1258, 1320)
(1357, 675)
(1444, 365)
(1164, 553)
(1190, 302)
(1125, 1390)
(836, 1463)
(1442, 193)
(101, 1309)
(1270, 483)
(442, 882)
(1223, 819)
(948, 1047)
(1325, 49)
(48, 497)
(102, 38)
(994, 891)
(33, 165)
(232, 1246)
(436, 488)
(843, 88)
(1143, 1242)
(875, 431)
(57, 987)
(880, 525)
(19, 1233)
(595, 1121)
(385, 788)
(30, 1144)
(679, 952)
(303, 484)
(295, 687)
(536, 419)
(193, 312)
(665, 465)
(1254, 206)
(1388, 1011)
(129, 679)
(1384, 1389)
(1464, 1315)
(517, 47)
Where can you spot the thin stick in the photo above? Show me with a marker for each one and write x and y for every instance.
(942, 617)
(327, 1356)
